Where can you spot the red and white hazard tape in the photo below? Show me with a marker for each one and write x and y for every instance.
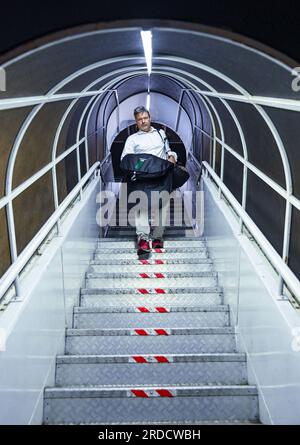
(151, 291)
(150, 359)
(152, 393)
(152, 261)
(152, 309)
(159, 250)
(152, 275)
(146, 332)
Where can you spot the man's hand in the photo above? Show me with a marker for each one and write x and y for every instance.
(171, 159)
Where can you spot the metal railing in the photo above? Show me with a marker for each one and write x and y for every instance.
(283, 271)
(20, 262)
(11, 194)
(287, 192)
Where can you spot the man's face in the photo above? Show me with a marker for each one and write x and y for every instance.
(143, 121)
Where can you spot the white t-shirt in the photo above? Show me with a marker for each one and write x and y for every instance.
(150, 142)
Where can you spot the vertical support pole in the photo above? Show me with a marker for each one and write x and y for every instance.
(55, 195)
(13, 245)
(244, 195)
(286, 241)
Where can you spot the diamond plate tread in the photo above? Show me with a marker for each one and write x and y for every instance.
(209, 370)
(135, 261)
(137, 267)
(210, 342)
(183, 238)
(208, 404)
(116, 254)
(180, 249)
(130, 332)
(147, 320)
(132, 233)
(187, 274)
(177, 422)
(186, 280)
(168, 228)
(134, 309)
(124, 391)
(180, 235)
(124, 300)
(174, 358)
(167, 285)
(167, 243)
(167, 291)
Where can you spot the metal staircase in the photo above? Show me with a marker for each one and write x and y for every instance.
(151, 342)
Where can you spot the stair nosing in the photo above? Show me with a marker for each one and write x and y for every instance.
(126, 390)
(229, 330)
(169, 290)
(135, 261)
(129, 309)
(176, 358)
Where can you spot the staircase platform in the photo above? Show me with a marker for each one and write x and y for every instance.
(181, 369)
(156, 404)
(151, 342)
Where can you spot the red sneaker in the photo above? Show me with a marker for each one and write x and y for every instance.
(158, 243)
(143, 247)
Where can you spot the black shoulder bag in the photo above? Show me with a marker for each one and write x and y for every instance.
(144, 167)
(180, 173)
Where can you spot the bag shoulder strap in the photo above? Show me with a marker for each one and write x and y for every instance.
(164, 140)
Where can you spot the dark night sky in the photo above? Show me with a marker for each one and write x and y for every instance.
(276, 24)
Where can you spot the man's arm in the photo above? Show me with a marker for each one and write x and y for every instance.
(172, 155)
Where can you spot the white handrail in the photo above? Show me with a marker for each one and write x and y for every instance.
(275, 259)
(13, 271)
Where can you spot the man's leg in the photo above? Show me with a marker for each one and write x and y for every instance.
(142, 222)
(143, 232)
(158, 231)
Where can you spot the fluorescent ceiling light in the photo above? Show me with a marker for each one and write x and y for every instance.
(147, 44)
(148, 102)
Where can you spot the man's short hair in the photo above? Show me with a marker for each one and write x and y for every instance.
(138, 110)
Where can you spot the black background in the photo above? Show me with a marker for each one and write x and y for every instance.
(276, 23)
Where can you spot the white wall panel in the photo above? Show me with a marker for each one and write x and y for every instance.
(35, 327)
(267, 326)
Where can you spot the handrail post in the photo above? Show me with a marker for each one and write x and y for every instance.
(13, 246)
(286, 242)
(118, 109)
(178, 110)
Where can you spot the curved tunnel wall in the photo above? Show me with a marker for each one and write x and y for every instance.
(245, 135)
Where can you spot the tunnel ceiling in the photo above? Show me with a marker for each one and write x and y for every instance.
(228, 77)
(38, 71)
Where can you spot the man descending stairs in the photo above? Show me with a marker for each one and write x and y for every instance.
(151, 343)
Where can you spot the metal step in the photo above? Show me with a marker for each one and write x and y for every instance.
(183, 369)
(168, 235)
(164, 250)
(90, 298)
(140, 266)
(171, 231)
(150, 341)
(131, 234)
(154, 275)
(175, 253)
(130, 225)
(160, 316)
(151, 283)
(168, 243)
(143, 403)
